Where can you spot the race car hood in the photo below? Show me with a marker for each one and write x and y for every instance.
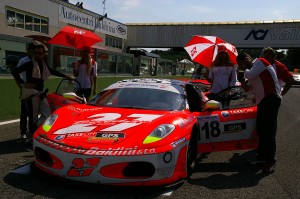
(90, 126)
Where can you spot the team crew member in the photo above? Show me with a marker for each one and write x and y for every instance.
(284, 76)
(263, 81)
(36, 73)
(23, 115)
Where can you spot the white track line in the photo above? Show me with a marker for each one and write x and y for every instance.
(8, 122)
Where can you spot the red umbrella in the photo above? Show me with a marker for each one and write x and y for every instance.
(203, 49)
(75, 37)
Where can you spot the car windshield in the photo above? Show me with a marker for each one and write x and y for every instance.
(140, 98)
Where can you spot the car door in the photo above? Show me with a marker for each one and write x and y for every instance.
(230, 128)
(57, 100)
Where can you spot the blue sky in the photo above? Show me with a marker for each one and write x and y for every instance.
(146, 11)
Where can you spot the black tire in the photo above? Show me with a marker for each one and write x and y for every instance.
(191, 158)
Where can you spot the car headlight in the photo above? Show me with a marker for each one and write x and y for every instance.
(49, 122)
(159, 133)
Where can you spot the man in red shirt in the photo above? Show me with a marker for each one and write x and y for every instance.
(284, 76)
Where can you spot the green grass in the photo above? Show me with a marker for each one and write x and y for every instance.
(9, 93)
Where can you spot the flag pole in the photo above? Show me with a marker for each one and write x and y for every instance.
(104, 7)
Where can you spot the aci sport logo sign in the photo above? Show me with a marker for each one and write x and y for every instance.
(290, 34)
(257, 34)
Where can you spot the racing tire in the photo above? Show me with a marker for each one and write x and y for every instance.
(191, 158)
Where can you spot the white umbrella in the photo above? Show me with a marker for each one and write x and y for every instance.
(186, 61)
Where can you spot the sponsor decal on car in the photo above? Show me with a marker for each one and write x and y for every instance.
(110, 135)
(107, 137)
(184, 122)
(60, 146)
(234, 128)
(241, 111)
(120, 151)
(83, 109)
(142, 85)
(80, 135)
(225, 114)
(177, 142)
(59, 137)
(208, 118)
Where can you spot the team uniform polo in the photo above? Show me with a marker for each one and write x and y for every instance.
(263, 79)
(282, 73)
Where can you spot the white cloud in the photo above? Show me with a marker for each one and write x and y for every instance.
(126, 4)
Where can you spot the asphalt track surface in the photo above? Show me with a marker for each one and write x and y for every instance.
(219, 175)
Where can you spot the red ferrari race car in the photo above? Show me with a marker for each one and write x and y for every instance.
(140, 132)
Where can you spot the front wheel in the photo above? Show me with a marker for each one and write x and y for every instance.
(191, 158)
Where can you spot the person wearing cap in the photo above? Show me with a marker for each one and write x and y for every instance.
(262, 80)
(85, 70)
(284, 76)
(222, 73)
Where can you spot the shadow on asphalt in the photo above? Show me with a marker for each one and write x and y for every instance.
(244, 175)
(14, 146)
(40, 183)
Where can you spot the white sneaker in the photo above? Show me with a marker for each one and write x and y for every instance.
(23, 136)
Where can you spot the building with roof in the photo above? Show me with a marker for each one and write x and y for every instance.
(40, 20)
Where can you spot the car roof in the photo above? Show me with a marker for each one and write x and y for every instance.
(171, 85)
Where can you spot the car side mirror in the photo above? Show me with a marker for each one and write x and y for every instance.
(211, 105)
(73, 96)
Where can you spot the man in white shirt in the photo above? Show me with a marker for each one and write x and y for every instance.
(264, 82)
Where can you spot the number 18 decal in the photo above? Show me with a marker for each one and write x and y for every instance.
(209, 127)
